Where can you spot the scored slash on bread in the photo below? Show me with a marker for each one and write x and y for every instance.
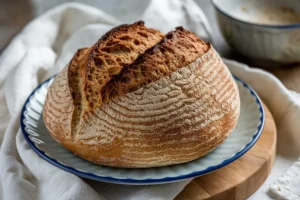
(117, 94)
(93, 67)
(177, 49)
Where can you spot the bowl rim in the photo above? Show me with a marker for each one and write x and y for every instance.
(286, 26)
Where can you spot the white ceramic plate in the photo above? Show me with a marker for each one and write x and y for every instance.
(242, 138)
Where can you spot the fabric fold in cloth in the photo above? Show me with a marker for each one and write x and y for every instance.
(47, 44)
(287, 186)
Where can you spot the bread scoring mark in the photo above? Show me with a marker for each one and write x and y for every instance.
(139, 120)
(116, 50)
(91, 68)
(76, 83)
(174, 106)
(112, 68)
(178, 48)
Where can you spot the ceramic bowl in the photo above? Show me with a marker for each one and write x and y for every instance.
(266, 31)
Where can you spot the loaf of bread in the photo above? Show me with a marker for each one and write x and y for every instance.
(139, 98)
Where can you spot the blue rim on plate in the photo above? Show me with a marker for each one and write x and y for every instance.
(144, 181)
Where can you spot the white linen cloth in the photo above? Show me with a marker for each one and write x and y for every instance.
(45, 46)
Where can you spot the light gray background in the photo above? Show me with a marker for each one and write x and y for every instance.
(15, 14)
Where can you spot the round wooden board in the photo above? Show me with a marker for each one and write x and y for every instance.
(241, 178)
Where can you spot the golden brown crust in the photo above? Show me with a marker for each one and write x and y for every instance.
(112, 154)
(76, 85)
(91, 68)
(170, 104)
(59, 108)
(118, 48)
(178, 48)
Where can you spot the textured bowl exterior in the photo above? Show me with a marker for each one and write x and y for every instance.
(266, 44)
(242, 138)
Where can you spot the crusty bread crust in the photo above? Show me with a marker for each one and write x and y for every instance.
(91, 68)
(178, 48)
(117, 49)
(171, 103)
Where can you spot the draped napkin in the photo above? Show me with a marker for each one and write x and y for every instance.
(46, 45)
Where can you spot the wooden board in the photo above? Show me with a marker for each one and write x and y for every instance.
(241, 178)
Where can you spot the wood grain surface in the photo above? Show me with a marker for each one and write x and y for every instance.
(241, 178)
